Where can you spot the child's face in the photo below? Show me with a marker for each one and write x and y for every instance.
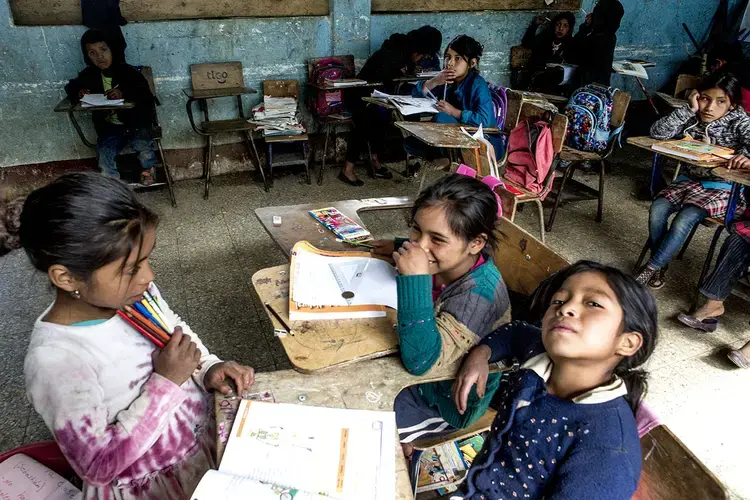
(445, 250)
(115, 285)
(584, 321)
(713, 104)
(458, 63)
(562, 28)
(99, 54)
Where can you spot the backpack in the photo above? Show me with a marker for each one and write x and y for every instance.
(530, 156)
(589, 113)
(499, 104)
(328, 102)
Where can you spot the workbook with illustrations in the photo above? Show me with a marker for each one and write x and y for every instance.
(339, 285)
(295, 452)
(408, 105)
(694, 150)
(341, 225)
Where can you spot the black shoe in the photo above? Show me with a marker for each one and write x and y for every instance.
(355, 183)
(413, 170)
(381, 173)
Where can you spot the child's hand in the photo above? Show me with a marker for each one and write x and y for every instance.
(113, 93)
(218, 377)
(693, 101)
(739, 162)
(383, 249)
(411, 259)
(589, 17)
(445, 77)
(445, 107)
(83, 92)
(474, 370)
(179, 358)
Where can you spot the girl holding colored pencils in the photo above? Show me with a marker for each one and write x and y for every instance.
(121, 381)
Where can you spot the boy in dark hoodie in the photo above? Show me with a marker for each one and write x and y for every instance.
(593, 48)
(107, 73)
(549, 46)
(398, 56)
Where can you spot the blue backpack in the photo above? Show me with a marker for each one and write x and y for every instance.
(589, 113)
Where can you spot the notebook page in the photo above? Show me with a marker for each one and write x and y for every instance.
(100, 100)
(345, 454)
(216, 485)
(23, 477)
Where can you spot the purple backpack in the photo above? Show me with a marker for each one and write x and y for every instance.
(328, 102)
(499, 104)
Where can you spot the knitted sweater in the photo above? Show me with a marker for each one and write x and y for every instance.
(438, 334)
(126, 431)
(541, 446)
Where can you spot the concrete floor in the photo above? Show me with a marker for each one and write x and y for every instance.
(208, 250)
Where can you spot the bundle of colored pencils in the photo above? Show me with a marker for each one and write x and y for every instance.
(148, 319)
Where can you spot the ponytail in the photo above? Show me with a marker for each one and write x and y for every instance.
(636, 382)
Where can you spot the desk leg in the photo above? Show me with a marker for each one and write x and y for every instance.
(249, 138)
(73, 120)
(209, 161)
(648, 96)
(734, 198)
(655, 174)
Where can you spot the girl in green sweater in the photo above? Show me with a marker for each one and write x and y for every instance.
(450, 295)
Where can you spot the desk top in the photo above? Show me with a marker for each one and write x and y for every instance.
(673, 102)
(646, 143)
(65, 106)
(314, 346)
(412, 78)
(379, 101)
(441, 135)
(213, 93)
(297, 224)
(738, 176)
(331, 88)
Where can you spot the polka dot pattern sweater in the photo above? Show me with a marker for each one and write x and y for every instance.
(541, 446)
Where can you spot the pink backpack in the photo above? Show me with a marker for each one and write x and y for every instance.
(490, 181)
(328, 102)
(530, 156)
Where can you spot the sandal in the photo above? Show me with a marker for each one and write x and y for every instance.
(736, 357)
(707, 325)
(657, 280)
(148, 177)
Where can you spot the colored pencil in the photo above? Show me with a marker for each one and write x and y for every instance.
(155, 315)
(139, 329)
(145, 323)
(155, 305)
(144, 312)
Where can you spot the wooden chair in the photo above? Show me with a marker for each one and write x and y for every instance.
(330, 124)
(285, 88)
(685, 82)
(575, 157)
(519, 60)
(511, 200)
(156, 132)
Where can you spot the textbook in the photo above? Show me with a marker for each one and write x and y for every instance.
(630, 68)
(341, 225)
(339, 285)
(694, 150)
(290, 451)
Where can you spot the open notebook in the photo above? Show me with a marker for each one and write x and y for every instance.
(408, 105)
(23, 477)
(285, 451)
(339, 285)
(694, 150)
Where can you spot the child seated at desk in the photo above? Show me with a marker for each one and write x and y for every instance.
(450, 295)
(107, 73)
(134, 421)
(464, 96)
(547, 47)
(712, 115)
(565, 425)
(398, 56)
(593, 47)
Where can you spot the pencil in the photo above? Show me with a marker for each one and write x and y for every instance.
(144, 312)
(445, 90)
(145, 323)
(139, 329)
(278, 318)
(155, 304)
(155, 314)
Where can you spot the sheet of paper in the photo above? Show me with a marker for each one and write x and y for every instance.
(23, 477)
(408, 105)
(92, 100)
(216, 485)
(343, 281)
(630, 68)
(345, 454)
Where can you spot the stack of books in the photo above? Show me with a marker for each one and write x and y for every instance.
(277, 116)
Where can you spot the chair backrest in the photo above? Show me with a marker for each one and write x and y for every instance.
(558, 125)
(685, 82)
(281, 88)
(519, 57)
(227, 75)
(621, 101)
(347, 61)
(148, 74)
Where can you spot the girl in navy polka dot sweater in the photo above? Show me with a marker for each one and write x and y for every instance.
(565, 426)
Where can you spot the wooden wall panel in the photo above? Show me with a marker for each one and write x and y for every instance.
(66, 12)
(470, 5)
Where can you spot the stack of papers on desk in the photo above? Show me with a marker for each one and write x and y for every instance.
(630, 68)
(306, 453)
(94, 100)
(408, 105)
(277, 116)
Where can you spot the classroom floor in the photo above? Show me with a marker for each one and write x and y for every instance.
(208, 250)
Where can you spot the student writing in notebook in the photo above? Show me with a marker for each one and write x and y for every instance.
(450, 295)
(107, 73)
(565, 425)
(134, 422)
(713, 115)
(549, 46)
(463, 94)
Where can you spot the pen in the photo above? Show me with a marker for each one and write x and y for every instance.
(278, 318)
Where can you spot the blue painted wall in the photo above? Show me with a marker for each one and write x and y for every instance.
(36, 62)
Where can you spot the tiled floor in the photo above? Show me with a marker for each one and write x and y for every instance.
(208, 250)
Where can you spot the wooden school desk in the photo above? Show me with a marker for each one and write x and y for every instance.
(441, 135)
(65, 106)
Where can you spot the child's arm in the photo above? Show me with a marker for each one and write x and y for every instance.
(672, 125)
(518, 340)
(530, 36)
(595, 473)
(481, 110)
(742, 131)
(70, 399)
(73, 89)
